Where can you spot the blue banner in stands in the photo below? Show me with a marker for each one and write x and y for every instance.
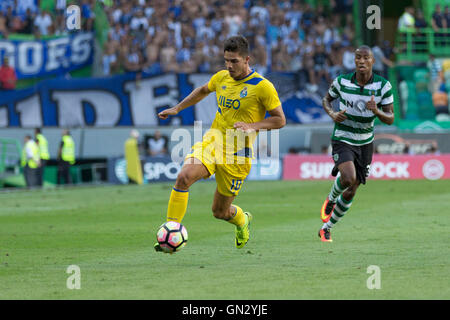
(123, 101)
(42, 58)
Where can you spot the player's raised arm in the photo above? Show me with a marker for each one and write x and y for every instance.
(194, 97)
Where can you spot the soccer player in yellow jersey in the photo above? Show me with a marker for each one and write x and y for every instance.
(243, 97)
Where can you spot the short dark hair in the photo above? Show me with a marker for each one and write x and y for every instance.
(37, 130)
(237, 44)
(365, 48)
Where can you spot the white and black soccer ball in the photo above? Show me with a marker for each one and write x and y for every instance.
(172, 236)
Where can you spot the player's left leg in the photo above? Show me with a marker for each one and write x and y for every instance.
(342, 205)
(223, 208)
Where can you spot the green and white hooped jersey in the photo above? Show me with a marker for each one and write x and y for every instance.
(357, 129)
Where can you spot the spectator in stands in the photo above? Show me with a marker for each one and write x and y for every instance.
(280, 59)
(151, 54)
(157, 145)
(440, 101)
(420, 21)
(438, 22)
(87, 13)
(27, 23)
(110, 60)
(435, 68)
(3, 26)
(321, 62)
(24, 5)
(447, 16)
(8, 76)
(387, 49)
(134, 59)
(434, 150)
(139, 20)
(10, 14)
(335, 60)
(60, 7)
(183, 58)
(260, 59)
(307, 17)
(342, 6)
(326, 149)
(60, 17)
(406, 21)
(14, 22)
(379, 67)
(5, 4)
(168, 60)
(348, 59)
(420, 43)
(43, 22)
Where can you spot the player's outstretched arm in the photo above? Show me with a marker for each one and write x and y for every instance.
(386, 115)
(276, 120)
(336, 116)
(194, 97)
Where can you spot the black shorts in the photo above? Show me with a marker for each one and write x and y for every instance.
(361, 156)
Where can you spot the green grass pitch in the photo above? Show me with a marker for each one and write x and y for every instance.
(109, 231)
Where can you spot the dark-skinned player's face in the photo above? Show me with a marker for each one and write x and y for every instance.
(236, 64)
(364, 60)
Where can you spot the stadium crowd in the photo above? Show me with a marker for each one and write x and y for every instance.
(186, 36)
(156, 36)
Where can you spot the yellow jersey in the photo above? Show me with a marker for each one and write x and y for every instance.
(244, 100)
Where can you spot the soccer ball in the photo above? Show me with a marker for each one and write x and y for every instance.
(172, 236)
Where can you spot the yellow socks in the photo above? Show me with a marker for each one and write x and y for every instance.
(238, 218)
(177, 205)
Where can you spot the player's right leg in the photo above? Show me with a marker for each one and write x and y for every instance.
(349, 183)
(193, 170)
(342, 153)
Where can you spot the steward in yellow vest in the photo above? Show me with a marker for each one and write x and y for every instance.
(66, 157)
(43, 152)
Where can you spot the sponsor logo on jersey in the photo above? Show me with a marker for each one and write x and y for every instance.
(229, 103)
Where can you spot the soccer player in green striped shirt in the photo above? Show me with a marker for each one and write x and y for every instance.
(363, 96)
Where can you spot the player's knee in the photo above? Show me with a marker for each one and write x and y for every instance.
(218, 212)
(348, 180)
(350, 192)
(184, 181)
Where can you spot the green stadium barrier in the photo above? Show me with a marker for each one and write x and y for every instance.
(414, 46)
